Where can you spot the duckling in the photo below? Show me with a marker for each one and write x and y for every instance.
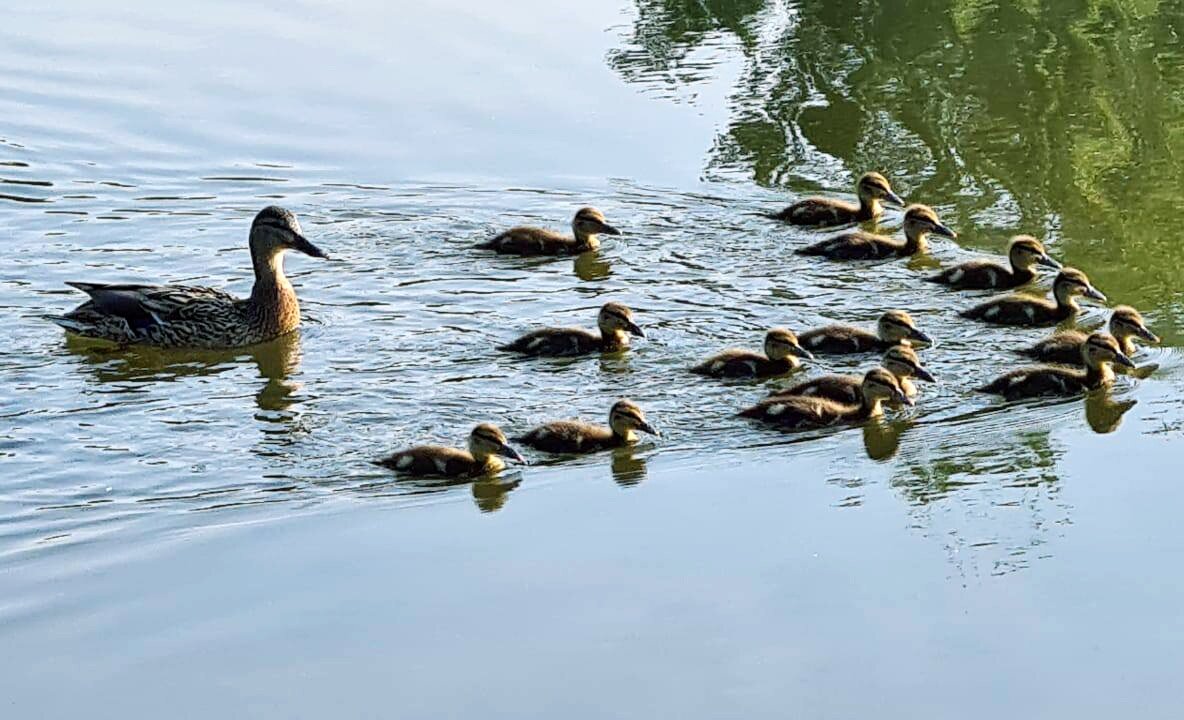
(1126, 324)
(487, 445)
(919, 221)
(1024, 252)
(572, 436)
(781, 356)
(798, 412)
(892, 328)
(1098, 354)
(900, 360)
(585, 226)
(615, 322)
(187, 316)
(872, 189)
(1017, 309)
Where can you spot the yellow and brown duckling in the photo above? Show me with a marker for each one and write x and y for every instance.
(919, 221)
(573, 436)
(1024, 254)
(1019, 309)
(1099, 353)
(872, 189)
(893, 327)
(614, 320)
(487, 447)
(1126, 324)
(782, 351)
(586, 226)
(900, 360)
(187, 316)
(800, 412)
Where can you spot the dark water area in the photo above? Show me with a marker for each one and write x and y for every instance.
(203, 533)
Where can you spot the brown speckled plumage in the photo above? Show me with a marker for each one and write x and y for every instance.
(1099, 352)
(614, 320)
(796, 412)
(1024, 253)
(782, 351)
(893, 327)
(1064, 348)
(919, 221)
(872, 189)
(487, 445)
(587, 224)
(1031, 311)
(900, 360)
(574, 436)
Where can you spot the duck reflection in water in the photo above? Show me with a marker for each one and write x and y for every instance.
(1103, 413)
(881, 437)
(629, 468)
(591, 266)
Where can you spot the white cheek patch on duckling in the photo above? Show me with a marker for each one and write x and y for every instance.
(957, 275)
(404, 462)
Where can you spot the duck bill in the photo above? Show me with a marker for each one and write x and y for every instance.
(1123, 360)
(801, 352)
(939, 229)
(1046, 261)
(904, 399)
(301, 243)
(645, 427)
(922, 374)
(894, 199)
(1095, 294)
(508, 452)
(1147, 335)
(607, 229)
(918, 336)
(635, 329)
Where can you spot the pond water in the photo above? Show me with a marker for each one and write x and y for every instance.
(203, 533)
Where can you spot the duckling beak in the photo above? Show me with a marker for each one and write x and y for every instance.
(801, 352)
(1122, 359)
(894, 199)
(922, 374)
(1094, 293)
(635, 329)
(939, 229)
(918, 336)
(645, 427)
(508, 452)
(903, 399)
(1047, 261)
(607, 229)
(1147, 335)
(301, 243)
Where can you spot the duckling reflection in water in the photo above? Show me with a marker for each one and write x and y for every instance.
(487, 447)
(782, 351)
(616, 325)
(893, 328)
(900, 360)
(1103, 413)
(1031, 311)
(919, 221)
(1126, 324)
(586, 226)
(1099, 352)
(1024, 253)
(872, 189)
(573, 436)
(796, 412)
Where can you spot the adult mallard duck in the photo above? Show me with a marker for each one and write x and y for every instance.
(573, 436)
(185, 316)
(919, 221)
(487, 445)
(1098, 354)
(798, 412)
(1031, 311)
(900, 360)
(614, 320)
(872, 189)
(1126, 324)
(782, 351)
(1024, 253)
(586, 226)
(893, 327)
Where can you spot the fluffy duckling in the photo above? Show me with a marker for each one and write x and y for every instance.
(919, 221)
(1126, 324)
(487, 445)
(572, 436)
(586, 226)
(1018, 309)
(900, 360)
(893, 327)
(1098, 354)
(799, 412)
(872, 189)
(782, 351)
(1024, 253)
(616, 325)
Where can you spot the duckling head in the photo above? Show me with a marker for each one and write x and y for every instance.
(1071, 282)
(903, 362)
(487, 440)
(1101, 350)
(920, 220)
(895, 326)
(1125, 323)
(274, 232)
(880, 386)
(625, 417)
(873, 187)
(1026, 251)
(589, 222)
(616, 320)
(782, 344)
